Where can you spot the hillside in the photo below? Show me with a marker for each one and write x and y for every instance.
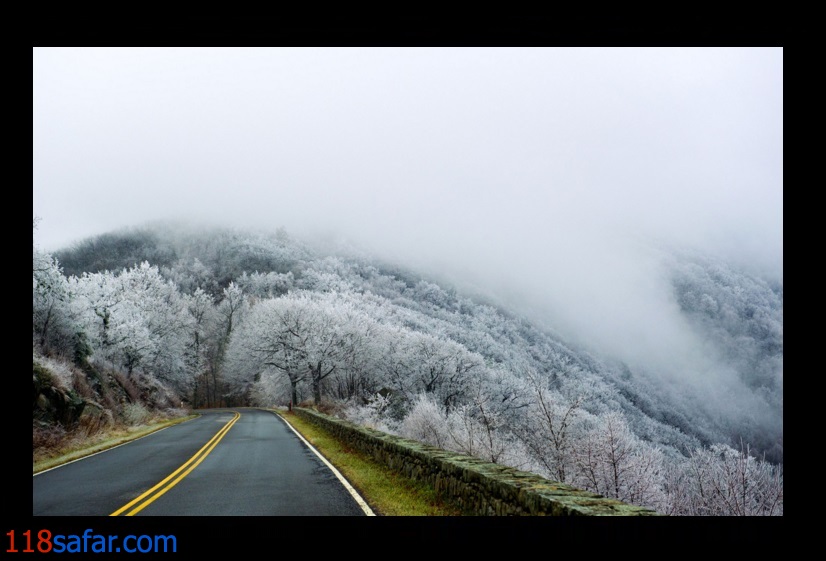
(223, 317)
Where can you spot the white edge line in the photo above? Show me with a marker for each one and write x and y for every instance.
(112, 448)
(361, 502)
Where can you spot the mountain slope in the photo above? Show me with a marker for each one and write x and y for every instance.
(740, 314)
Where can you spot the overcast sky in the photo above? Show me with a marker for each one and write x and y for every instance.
(539, 171)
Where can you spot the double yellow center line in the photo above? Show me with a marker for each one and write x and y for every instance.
(158, 490)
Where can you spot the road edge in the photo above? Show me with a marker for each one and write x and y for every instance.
(106, 449)
(350, 489)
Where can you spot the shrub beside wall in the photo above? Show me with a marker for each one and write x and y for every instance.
(476, 486)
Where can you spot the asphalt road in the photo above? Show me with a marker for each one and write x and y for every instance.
(213, 465)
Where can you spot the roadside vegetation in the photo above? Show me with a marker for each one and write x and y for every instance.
(79, 445)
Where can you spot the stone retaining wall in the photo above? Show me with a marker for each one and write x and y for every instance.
(476, 486)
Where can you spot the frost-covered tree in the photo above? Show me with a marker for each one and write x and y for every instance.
(231, 306)
(612, 461)
(720, 480)
(135, 319)
(158, 314)
(481, 426)
(228, 314)
(52, 321)
(359, 350)
(374, 413)
(201, 319)
(266, 285)
(421, 363)
(306, 339)
(97, 300)
(426, 422)
(272, 337)
(550, 427)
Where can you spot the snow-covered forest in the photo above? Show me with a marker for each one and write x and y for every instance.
(217, 317)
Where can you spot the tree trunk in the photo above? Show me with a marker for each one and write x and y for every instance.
(195, 395)
(315, 372)
(215, 386)
(294, 387)
(316, 389)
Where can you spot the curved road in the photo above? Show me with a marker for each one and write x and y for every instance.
(218, 464)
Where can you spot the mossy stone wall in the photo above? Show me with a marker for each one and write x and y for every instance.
(476, 486)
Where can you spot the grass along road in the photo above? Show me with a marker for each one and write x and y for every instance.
(387, 492)
(76, 449)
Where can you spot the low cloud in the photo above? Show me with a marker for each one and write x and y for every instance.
(547, 177)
